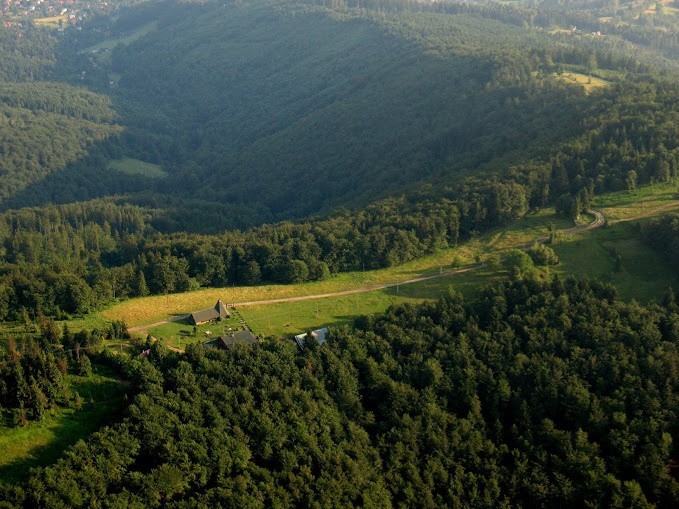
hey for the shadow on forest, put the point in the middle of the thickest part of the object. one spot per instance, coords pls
(378, 152)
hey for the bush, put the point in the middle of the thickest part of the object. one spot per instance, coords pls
(543, 255)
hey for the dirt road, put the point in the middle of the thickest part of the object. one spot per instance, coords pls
(650, 213)
(598, 222)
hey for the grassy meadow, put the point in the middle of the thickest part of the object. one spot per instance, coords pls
(131, 166)
(287, 318)
(647, 200)
(588, 82)
(644, 274)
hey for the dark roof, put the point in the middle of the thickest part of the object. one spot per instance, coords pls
(244, 336)
(205, 315)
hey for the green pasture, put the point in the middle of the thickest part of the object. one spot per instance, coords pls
(289, 318)
(645, 200)
(644, 275)
(132, 166)
(524, 231)
(41, 443)
(179, 334)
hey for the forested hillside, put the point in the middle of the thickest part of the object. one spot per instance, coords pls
(45, 127)
(546, 392)
(270, 111)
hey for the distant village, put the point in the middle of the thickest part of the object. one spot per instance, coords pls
(72, 12)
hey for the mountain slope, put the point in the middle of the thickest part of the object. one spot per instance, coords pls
(304, 110)
(45, 127)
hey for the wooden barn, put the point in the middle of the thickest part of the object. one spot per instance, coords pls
(219, 312)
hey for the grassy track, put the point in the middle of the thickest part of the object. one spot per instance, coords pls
(41, 443)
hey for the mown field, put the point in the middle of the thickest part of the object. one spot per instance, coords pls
(51, 22)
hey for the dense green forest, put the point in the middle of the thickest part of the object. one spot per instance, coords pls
(546, 392)
(297, 140)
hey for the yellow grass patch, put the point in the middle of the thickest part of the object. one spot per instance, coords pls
(125, 39)
(588, 82)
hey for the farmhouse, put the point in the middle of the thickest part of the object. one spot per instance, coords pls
(218, 312)
(229, 340)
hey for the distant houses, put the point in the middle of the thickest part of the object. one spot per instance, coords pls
(219, 312)
(228, 341)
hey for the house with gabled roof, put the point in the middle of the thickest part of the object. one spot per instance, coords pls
(228, 341)
(219, 312)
